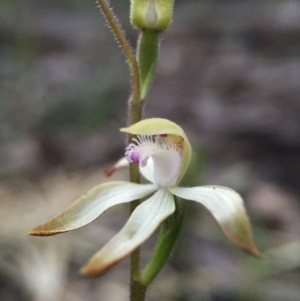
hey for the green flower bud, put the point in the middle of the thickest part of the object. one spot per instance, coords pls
(151, 14)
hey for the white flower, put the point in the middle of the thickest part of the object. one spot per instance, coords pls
(163, 153)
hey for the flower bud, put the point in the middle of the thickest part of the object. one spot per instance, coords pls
(151, 14)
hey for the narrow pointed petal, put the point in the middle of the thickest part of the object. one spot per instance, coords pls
(146, 171)
(160, 126)
(91, 205)
(141, 224)
(123, 162)
(227, 208)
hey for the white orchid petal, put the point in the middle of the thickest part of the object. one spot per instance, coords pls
(227, 208)
(141, 224)
(162, 127)
(148, 171)
(91, 205)
(165, 155)
(166, 166)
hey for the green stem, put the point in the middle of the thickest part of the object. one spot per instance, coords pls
(142, 72)
(137, 291)
(129, 53)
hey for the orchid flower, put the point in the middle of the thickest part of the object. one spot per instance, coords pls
(163, 152)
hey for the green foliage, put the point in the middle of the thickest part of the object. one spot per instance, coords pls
(148, 53)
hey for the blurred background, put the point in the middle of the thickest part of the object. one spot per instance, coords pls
(228, 72)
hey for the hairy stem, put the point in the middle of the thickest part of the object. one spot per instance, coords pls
(137, 290)
(129, 53)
